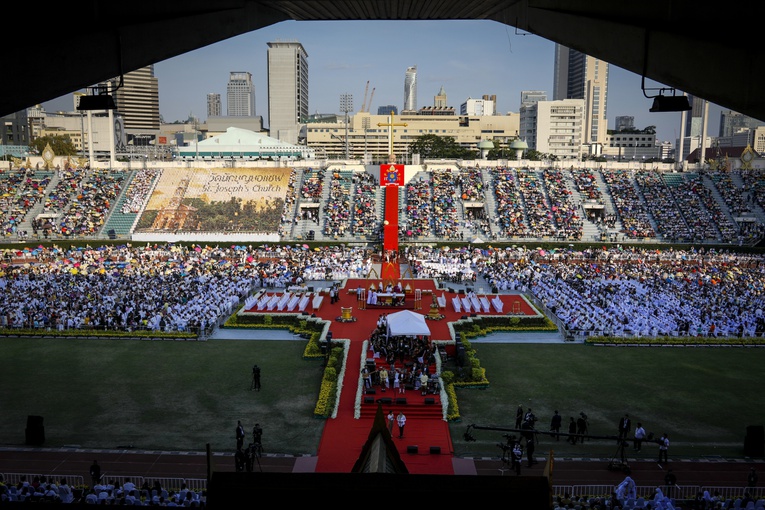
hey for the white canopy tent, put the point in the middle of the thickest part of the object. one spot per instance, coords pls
(407, 323)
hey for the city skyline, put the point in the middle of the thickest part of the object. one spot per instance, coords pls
(467, 58)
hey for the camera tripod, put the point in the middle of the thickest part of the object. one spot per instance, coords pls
(255, 452)
(621, 464)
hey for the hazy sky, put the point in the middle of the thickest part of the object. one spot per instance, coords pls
(468, 58)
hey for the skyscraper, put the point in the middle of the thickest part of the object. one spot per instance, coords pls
(579, 76)
(240, 95)
(439, 101)
(287, 90)
(214, 107)
(410, 89)
(138, 101)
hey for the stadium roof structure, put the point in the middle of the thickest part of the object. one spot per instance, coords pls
(238, 143)
(645, 41)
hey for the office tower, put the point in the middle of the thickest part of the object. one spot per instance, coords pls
(287, 90)
(579, 76)
(694, 118)
(624, 122)
(477, 107)
(554, 127)
(213, 105)
(732, 122)
(410, 89)
(240, 95)
(493, 99)
(387, 110)
(532, 97)
(439, 101)
(138, 100)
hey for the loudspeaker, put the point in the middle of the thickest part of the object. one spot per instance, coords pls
(754, 442)
(474, 315)
(411, 449)
(369, 400)
(462, 292)
(435, 449)
(35, 432)
(430, 400)
(401, 401)
(464, 317)
(385, 400)
(371, 391)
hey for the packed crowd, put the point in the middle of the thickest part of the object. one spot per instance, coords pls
(48, 490)
(614, 291)
(639, 292)
(443, 203)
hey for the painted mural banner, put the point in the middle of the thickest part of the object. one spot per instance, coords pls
(217, 199)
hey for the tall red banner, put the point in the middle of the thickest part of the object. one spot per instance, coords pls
(390, 230)
(391, 174)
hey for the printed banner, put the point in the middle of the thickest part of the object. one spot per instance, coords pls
(216, 200)
(391, 174)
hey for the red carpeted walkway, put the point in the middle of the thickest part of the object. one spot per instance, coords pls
(426, 447)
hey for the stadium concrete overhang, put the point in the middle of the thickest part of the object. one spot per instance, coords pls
(704, 49)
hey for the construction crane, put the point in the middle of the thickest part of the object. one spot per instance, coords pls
(364, 104)
(369, 105)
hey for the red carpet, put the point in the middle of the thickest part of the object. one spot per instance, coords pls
(344, 436)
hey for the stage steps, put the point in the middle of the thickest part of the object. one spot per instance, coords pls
(410, 409)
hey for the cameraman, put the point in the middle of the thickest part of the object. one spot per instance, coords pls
(257, 434)
(517, 456)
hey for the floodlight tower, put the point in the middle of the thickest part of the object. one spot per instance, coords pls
(346, 105)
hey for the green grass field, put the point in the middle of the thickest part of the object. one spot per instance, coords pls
(179, 395)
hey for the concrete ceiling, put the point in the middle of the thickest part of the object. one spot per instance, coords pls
(708, 50)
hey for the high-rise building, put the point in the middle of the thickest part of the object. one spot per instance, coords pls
(580, 76)
(240, 95)
(477, 107)
(410, 89)
(287, 90)
(213, 105)
(532, 97)
(731, 122)
(493, 99)
(624, 122)
(439, 101)
(554, 127)
(138, 101)
(387, 110)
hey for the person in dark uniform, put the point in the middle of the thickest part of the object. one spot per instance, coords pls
(555, 424)
(240, 460)
(255, 378)
(571, 431)
(530, 451)
(519, 416)
(95, 473)
(239, 435)
(581, 426)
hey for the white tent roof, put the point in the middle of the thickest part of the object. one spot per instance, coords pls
(406, 322)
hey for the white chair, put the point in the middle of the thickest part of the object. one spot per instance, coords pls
(456, 304)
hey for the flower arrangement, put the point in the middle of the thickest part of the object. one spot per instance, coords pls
(449, 395)
(332, 381)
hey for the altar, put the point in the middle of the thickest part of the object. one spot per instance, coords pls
(389, 298)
